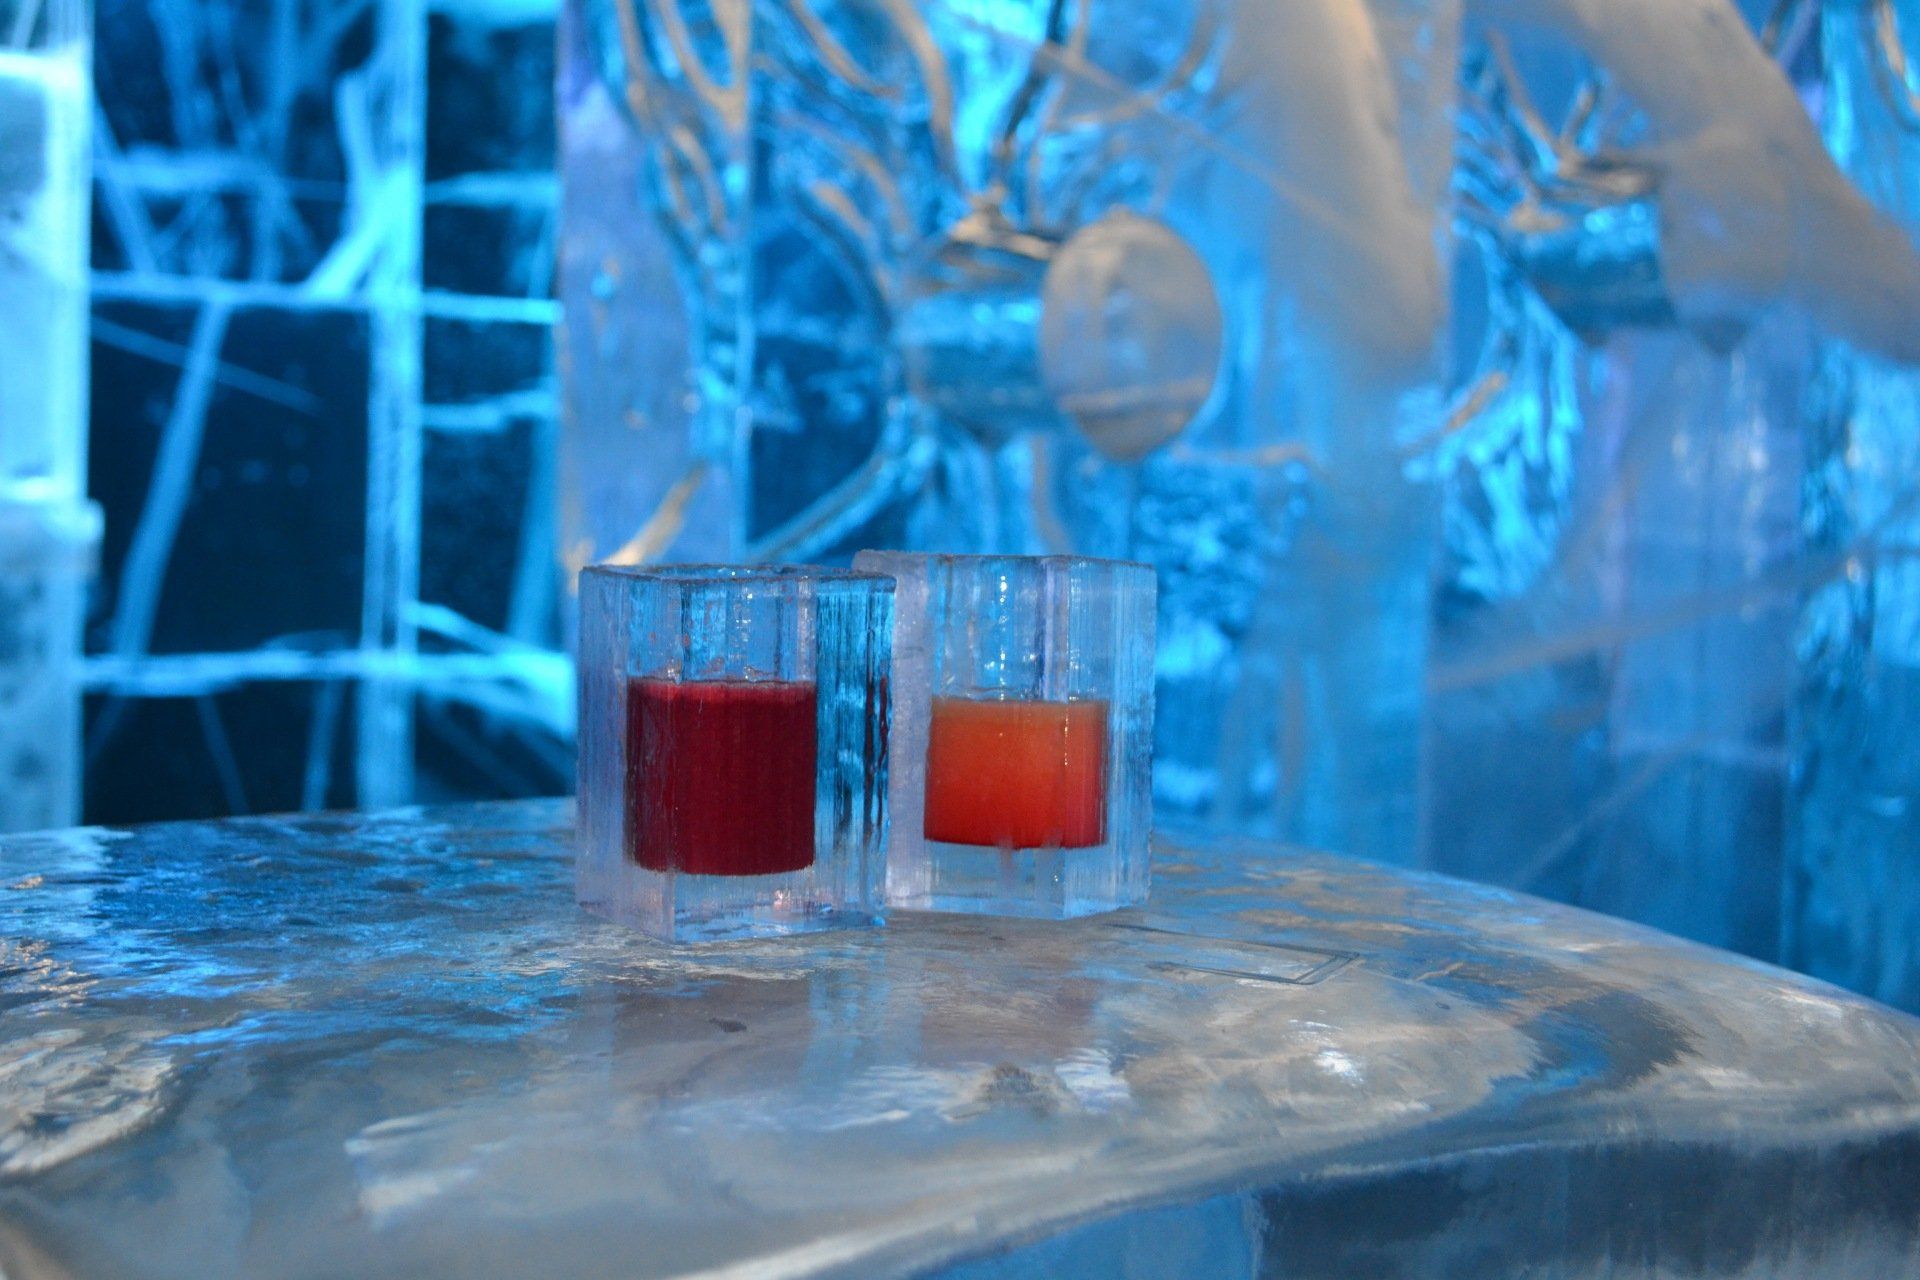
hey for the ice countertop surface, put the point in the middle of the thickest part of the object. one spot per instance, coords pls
(391, 1045)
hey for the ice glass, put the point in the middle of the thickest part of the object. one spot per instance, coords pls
(1023, 732)
(733, 748)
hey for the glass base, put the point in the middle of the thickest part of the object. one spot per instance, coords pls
(676, 907)
(1042, 884)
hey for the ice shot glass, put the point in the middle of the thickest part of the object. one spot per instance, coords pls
(1023, 733)
(733, 748)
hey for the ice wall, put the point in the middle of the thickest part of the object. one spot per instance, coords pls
(1854, 856)
(825, 324)
(323, 418)
(1755, 212)
(857, 223)
(1644, 502)
(1648, 472)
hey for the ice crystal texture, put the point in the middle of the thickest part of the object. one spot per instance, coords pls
(392, 1045)
(323, 423)
(1854, 861)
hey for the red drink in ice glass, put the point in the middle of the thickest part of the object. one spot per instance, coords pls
(721, 776)
(1017, 774)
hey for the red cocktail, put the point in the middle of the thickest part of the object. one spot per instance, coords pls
(721, 776)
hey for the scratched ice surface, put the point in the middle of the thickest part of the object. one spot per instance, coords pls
(391, 1046)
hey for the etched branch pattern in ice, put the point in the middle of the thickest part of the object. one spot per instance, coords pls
(321, 362)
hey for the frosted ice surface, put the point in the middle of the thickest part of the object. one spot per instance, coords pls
(391, 1046)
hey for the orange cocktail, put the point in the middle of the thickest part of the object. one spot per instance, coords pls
(1017, 774)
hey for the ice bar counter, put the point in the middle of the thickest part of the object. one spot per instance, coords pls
(394, 1046)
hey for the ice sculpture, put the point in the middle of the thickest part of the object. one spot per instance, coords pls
(391, 1045)
(1626, 531)
(47, 530)
(1854, 864)
(1754, 210)
(875, 273)
(322, 337)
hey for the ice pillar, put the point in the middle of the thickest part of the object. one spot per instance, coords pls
(48, 531)
(1663, 467)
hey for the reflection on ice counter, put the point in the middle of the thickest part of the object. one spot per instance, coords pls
(391, 1045)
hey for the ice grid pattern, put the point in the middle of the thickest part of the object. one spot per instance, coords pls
(322, 408)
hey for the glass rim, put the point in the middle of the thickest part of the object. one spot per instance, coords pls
(724, 574)
(1050, 561)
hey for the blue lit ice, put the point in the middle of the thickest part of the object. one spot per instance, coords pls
(392, 1046)
(817, 332)
(292, 299)
(880, 309)
(1629, 712)
(1632, 704)
(1853, 861)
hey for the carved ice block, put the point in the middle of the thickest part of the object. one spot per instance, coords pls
(733, 748)
(1023, 713)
